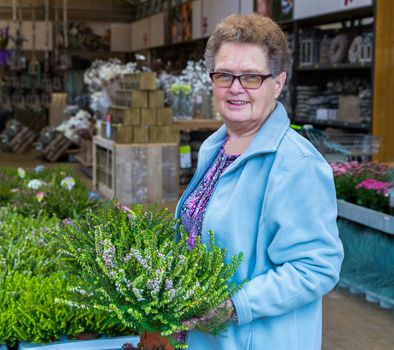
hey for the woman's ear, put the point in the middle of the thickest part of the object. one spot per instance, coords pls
(279, 82)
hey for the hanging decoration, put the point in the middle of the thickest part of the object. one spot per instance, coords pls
(34, 64)
(46, 43)
(5, 55)
(18, 61)
(65, 60)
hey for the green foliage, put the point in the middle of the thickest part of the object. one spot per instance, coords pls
(30, 285)
(30, 311)
(369, 258)
(56, 198)
(136, 269)
(26, 245)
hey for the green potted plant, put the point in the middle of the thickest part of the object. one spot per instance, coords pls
(136, 265)
(32, 279)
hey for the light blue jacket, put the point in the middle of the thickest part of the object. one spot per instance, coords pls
(275, 203)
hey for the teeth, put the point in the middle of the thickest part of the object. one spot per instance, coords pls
(238, 102)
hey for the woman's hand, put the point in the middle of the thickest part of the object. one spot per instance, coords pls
(215, 320)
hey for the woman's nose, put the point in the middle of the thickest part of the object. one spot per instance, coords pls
(236, 85)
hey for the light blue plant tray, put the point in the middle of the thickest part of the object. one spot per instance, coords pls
(370, 296)
(103, 343)
(3, 347)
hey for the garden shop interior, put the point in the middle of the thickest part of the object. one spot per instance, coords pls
(111, 99)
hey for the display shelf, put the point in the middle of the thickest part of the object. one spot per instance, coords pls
(335, 66)
(333, 123)
(197, 124)
(341, 16)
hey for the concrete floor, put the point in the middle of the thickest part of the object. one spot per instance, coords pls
(349, 322)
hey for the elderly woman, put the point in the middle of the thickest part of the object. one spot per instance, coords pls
(266, 192)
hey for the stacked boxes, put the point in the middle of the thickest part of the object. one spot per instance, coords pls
(139, 115)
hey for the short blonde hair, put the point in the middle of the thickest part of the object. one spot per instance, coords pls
(250, 29)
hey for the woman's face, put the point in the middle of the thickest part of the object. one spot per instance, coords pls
(245, 108)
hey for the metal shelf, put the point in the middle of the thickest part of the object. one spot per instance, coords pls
(335, 66)
(333, 123)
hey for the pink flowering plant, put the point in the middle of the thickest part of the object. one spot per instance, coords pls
(365, 184)
(52, 192)
(136, 265)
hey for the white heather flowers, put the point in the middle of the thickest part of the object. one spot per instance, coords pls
(34, 184)
(68, 182)
(21, 173)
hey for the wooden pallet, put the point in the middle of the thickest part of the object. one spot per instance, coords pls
(22, 140)
(56, 148)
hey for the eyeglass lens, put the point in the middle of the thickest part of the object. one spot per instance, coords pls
(247, 81)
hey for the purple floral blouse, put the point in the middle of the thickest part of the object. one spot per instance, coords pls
(193, 209)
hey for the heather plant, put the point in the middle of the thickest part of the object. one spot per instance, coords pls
(366, 184)
(137, 266)
(32, 278)
(41, 191)
(26, 245)
(29, 311)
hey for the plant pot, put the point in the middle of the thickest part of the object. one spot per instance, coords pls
(154, 341)
(87, 336)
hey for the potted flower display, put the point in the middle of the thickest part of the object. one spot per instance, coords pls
(366, 225)
(363, 194)
(136, 265)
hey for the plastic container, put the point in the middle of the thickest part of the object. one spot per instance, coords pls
(103, 343)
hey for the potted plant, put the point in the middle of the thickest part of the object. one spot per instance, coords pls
(136, 265)
(32, 278)
(366, 223)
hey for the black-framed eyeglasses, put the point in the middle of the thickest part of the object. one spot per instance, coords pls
(250, 81)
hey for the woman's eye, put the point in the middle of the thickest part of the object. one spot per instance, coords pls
(223, 76)
(251, 77)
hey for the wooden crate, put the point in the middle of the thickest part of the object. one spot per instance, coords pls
(22, 140)
(136, 173)
(56, 148)
(140, 81)
(85, 157)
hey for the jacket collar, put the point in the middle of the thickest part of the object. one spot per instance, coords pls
(266, 140)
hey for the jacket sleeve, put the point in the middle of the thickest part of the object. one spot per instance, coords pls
(305, 251)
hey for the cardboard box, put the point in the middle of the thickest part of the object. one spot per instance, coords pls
(132, 116)
(132, 98)
(148, 116)
(117, 114)
(164, 116)
(349, 108)
(141, 134)
(156, 99)
(162, 134)
(140, 81)
(147, 81)
(121, 133)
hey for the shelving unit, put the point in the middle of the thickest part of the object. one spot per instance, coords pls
(309, 80)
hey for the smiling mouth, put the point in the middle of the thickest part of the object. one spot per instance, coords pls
(237, 103)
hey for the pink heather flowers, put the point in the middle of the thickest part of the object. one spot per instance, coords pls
(40, 196)
(377, 186)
